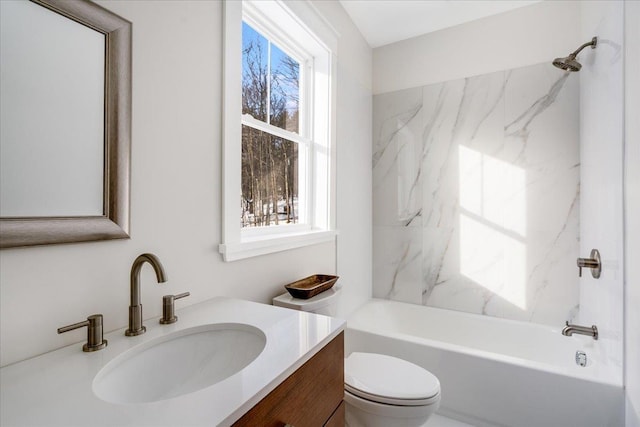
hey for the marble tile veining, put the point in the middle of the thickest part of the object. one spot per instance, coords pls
(476, 194)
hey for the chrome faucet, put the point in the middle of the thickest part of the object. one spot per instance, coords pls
(135, 308)
(569, 330)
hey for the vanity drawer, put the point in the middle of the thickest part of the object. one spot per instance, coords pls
(309, 397)
(337, 419)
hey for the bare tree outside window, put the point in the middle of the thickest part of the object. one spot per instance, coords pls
(285, 80)
(269, 162)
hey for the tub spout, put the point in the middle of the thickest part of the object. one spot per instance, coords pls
(569, 330)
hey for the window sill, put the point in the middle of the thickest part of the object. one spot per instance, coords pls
(273, 243)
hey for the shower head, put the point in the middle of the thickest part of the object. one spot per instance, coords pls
(570, 63)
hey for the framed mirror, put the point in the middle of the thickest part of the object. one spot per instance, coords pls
(65, 123)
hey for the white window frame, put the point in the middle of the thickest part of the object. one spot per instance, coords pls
(303, 33)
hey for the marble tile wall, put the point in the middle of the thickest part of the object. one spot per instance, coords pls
(602, 94)
(476, 194)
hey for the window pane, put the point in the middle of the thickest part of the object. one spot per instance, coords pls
(269, 179)
(255, 70)
(285, 90)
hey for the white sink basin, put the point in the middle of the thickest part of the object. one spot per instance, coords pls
(179, 363)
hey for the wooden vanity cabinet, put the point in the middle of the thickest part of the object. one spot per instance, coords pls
(310, 397)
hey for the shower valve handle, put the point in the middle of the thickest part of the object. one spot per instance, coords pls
(594, 263)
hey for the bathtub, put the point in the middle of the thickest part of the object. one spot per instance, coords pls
(494, 372)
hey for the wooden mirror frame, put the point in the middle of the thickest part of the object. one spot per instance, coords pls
(114, 222)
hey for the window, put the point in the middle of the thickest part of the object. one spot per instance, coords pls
(278, 153)
(274, 145)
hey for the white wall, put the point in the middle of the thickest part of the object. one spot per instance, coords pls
(632, 212)
(176, 192)
(525, 36)
(354, 193)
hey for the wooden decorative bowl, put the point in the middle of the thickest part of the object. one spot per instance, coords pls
(311, 286)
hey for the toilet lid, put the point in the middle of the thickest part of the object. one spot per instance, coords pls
(386, 379)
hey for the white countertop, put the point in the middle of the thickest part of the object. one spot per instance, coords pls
(55, 389)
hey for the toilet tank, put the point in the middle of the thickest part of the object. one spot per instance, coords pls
(324, 303)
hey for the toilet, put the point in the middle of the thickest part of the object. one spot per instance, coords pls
(379, 390)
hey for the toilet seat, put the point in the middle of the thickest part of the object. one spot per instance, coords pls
(389, 380)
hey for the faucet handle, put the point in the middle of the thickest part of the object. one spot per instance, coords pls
(168, 308)
(95, 339)
(594, 263)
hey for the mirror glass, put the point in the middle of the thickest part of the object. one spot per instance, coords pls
(52, 114)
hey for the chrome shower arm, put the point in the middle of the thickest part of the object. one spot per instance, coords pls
(592, 43)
